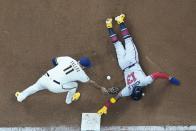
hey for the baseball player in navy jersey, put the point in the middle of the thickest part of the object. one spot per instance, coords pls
(128, 61)
(61, 78)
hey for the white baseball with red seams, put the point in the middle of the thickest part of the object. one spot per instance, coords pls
(129, 62)
(59, 79)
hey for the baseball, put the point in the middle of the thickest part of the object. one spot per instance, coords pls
(108, 77)
(143, 94)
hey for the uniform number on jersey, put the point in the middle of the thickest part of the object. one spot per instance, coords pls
(68, 70)
(131, 78)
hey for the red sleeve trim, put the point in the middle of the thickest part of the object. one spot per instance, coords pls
(161, 75)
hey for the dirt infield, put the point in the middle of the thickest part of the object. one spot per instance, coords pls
(33, 32)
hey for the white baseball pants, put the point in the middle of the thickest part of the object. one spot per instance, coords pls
(46, 83)
(126, 56)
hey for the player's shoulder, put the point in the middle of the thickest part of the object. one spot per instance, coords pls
(66, 58)
(70, 58)
(146, 80)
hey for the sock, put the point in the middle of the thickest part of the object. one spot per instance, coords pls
(124, 31)
(112, 35)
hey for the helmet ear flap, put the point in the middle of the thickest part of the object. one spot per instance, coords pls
(137, 93)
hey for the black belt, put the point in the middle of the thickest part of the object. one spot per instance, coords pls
(129, 67)
(53, 80)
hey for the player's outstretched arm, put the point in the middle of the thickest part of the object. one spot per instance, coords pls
(111, 91)
(103, 89)
(108, 104)
(161, 75)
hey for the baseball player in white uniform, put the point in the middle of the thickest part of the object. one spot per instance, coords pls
(61, 78)
(128, 60)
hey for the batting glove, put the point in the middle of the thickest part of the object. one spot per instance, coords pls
(174, 81)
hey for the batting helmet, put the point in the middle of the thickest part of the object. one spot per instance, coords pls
(85, 61)
(137, 93)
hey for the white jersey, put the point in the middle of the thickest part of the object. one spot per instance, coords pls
(135, 76)
(67, 70)
(59, 79)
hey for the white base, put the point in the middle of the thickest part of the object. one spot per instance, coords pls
(90, 121)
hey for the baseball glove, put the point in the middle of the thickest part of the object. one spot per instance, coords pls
(113, 90)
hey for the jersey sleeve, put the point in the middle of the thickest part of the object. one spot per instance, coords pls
(57, 60)
(160, 75)
(147, 80)
(60, 59)
(84, 78)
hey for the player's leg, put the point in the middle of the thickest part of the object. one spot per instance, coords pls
(72, 95)
(56, 88)
(131, 50)
(29, 91)
(70, 87)
(120, 50)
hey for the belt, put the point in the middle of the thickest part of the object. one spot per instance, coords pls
(129, 67)
(53, 80)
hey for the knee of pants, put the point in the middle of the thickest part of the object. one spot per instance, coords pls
(70, 85)
(75, 84)
(68, 101)
(57, 90)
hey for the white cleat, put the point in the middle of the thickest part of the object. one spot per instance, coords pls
(17, 93)
(19, 97)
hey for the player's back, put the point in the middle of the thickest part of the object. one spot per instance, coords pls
(135, 76)
(67, 70)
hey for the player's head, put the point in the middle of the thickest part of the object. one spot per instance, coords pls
(137, 93)
(85, 62)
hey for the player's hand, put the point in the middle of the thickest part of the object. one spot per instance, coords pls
(104, 90)
(174, 81)
(91, 81)
(102, 111)
(113, 90)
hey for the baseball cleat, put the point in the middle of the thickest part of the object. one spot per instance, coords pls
(108, 22)
(17, 93)
(76, 96)
(102, 111)
(120, 19)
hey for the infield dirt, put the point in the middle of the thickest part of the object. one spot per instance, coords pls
(33, 32)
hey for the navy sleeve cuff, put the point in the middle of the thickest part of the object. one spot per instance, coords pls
(54, 62)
